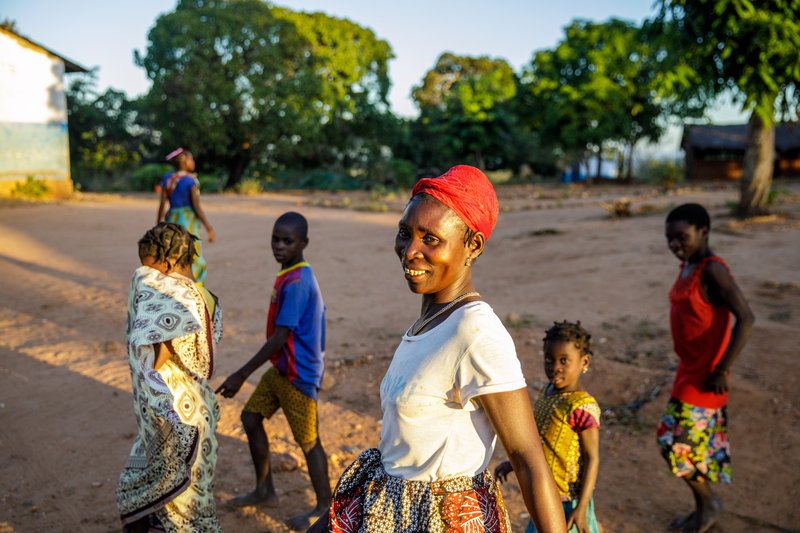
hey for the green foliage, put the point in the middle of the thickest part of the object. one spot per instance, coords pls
(249, 187)
(32, 188)
(393, 173)
(102, 140)
(146, 177)
(325, 180)
(752, 47)
(775, 195)
(209, 182)
(747, 48)
(242, 82)
(600, 86)
(465, 114)
(664, 173)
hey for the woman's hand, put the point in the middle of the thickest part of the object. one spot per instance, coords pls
(212, 235)
(502, 471)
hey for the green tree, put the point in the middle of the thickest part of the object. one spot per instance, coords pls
(239, 81)
(601, 86)
(750, 49)
(465, 112)
(352, 66)
(104, 140)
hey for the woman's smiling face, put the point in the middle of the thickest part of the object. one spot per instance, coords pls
(430, 245)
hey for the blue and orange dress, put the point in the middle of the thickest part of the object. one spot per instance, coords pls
(178, 186)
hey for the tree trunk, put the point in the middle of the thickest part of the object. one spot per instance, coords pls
(236, 170)
(759, 161)
(629, 171)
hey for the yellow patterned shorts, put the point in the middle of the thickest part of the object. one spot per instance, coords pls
(274, 392)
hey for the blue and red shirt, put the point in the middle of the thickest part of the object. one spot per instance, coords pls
(297, 304)
(179, 188)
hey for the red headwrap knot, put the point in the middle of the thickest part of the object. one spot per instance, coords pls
(467, 191)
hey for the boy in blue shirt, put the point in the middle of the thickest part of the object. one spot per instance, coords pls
(296, 347)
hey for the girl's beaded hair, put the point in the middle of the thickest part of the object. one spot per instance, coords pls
(570, 332)
(170, 242)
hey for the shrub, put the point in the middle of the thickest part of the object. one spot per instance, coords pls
(32, 188)
(249, 187)
(210, 182)
(662, 172)
(147, 177)
(328, 181)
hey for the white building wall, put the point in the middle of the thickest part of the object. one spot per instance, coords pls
(34, 139)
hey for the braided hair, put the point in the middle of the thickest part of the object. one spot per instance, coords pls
(168, 242)
(570, 332)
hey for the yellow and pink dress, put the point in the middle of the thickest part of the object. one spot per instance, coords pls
(560, 418)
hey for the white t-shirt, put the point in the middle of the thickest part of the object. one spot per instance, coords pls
(431, 430)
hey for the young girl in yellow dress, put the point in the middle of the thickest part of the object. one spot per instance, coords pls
(568, 419)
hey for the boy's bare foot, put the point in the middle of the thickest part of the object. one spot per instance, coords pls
(303, 521)
(254, 498)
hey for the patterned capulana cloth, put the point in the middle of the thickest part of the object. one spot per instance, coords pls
(367, 499)
(694, 441)
(170, 470)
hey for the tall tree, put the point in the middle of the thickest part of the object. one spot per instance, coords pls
(747, 47)
(600, 85)
(240, 81)
(464, 109)
(104, 138)
(352, 66)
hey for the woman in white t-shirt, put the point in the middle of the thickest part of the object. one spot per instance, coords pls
(453, 386)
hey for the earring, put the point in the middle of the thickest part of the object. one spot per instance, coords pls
(468, 262)
(585, 370)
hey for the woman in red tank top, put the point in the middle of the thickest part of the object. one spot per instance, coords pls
(693, 433)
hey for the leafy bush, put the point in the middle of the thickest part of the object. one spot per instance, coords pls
(662, 172)
(210, 183)
(30, 188)
(327, 180)
(393, 173)
(249, 187)
(146, 177)
(775, 195)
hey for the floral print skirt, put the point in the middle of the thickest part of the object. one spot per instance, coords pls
(694, 442)
(367, 499)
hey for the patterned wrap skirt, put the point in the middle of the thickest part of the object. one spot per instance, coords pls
(367, 499)
(694, 442)
(186, 217)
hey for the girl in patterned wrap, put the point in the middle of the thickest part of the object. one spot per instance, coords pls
(452, 388)
(173, 326)
(568, 418)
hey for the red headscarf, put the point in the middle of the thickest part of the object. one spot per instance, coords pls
(467, 191)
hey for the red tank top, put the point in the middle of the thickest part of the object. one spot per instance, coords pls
(700, 334)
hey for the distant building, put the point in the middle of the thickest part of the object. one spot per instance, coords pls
(717, 152)
(34, 141)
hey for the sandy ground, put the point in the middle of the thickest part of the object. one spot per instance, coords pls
(66, 421)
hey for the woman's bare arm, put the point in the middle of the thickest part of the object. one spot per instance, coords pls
(512, 418)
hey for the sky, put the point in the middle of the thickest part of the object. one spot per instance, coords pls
(105, 33)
